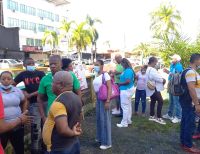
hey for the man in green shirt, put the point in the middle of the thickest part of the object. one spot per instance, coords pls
(45, 88)
(118, 71)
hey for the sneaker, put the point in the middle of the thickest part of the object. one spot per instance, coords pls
(160, 121)
(166, 116)
(176, 120)
(196, 136)
(116, 112)
(122, 126)
(130, 123)
(105, 147)
(152, 118)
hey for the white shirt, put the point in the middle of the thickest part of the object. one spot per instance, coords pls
(97, 82)
(141, 82)
(153, 75)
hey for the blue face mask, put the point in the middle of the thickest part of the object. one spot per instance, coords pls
(6, 87)
(30, 68)
(97, 69)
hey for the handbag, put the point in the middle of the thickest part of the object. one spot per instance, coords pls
(150, 84)
(103, 90)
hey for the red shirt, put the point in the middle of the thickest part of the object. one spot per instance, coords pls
(1, 117)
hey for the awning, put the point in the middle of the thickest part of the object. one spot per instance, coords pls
(59, 2)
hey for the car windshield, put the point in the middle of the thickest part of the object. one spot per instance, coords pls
(12, 61)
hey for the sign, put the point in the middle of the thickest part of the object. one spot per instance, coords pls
(27, 48)
(79, 71)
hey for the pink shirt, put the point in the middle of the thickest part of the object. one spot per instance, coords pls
(141, 82)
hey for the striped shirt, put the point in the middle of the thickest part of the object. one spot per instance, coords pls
(193, 76)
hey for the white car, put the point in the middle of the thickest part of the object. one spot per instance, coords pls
(9, 63)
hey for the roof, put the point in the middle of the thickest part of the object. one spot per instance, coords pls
(59, 2)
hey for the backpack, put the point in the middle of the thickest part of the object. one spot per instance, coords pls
(175, 87)
(177, 84)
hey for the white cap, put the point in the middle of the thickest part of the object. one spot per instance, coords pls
(177, 57)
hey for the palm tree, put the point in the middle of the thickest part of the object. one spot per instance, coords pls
(95, 35)
(81, 38)
(165, 21)
(66, 28)
(51, 38)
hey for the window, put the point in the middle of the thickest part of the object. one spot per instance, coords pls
(31, 11)
(24, 24)
(38, 42)
(56, 17)
(32, 26)
(12, 22)
(30, 42)
(23, 8)
(41, 28)
(12, 5)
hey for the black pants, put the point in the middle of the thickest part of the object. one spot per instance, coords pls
(156, 97)
(16, 138)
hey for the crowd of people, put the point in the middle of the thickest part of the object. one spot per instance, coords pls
(52, 103)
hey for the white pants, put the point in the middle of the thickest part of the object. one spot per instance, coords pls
(126, 105)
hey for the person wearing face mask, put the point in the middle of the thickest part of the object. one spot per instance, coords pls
(175, 67)
(103, 116)
(31, 79)
(14, 104)
(140, 90)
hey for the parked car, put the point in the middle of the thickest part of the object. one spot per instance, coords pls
(10, 63)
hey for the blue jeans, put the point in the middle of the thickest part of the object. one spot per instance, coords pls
(75, 149)
(103, 122)
(174, 103)
(187, 124)
(140, 95)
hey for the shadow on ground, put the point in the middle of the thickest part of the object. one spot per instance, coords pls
(143, 137)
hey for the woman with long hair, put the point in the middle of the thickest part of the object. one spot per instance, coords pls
(126, 92)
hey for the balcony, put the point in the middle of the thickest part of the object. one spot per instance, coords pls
(59, 2)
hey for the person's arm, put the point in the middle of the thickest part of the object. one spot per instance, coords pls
(28, 96)
(156, 76)
(192, 91)
(22, 119)
(59, 112)
(24, 105)
(40, 101)
(107, 103)
(63, 129)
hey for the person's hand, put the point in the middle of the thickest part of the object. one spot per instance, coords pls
(107, 104)
(27, 95)
(77, 129)
(197, 108)
(25, 119)
(165, 70)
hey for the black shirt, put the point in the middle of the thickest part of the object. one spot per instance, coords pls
(31, 81)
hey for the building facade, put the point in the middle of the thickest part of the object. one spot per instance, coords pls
(33, 17)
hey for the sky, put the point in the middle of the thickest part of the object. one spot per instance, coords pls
(125, 23)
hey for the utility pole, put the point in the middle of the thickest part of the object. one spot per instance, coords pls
(1, 12)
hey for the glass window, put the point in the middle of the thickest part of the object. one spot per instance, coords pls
(32, 26)
(31, 11)
(23, 8)
(12, 22)
(29, 41)
(38, 42)
(41, 28)
(12, 5)
(24, 24)
(56, 17)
